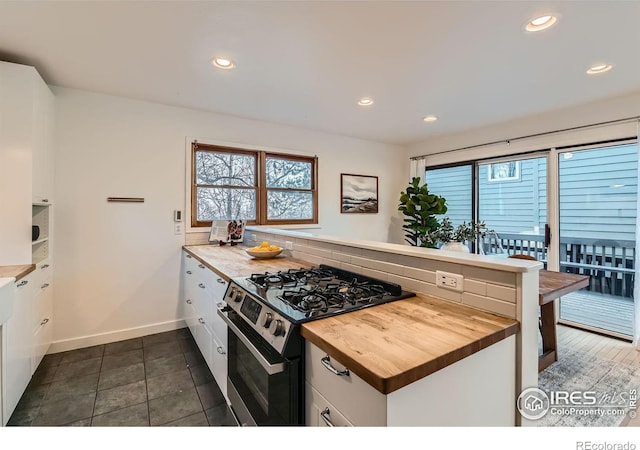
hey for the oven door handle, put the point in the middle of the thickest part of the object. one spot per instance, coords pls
(271, 369)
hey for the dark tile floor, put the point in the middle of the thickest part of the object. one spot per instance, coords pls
(160, 379)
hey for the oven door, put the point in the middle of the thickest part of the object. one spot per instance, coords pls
(263, 387)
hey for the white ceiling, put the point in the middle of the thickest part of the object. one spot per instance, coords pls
(307, 63)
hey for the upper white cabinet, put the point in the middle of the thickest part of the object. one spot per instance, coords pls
(44, 115)
(26, 158)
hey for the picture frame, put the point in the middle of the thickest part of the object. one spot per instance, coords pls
(358, 193)
(504, 171)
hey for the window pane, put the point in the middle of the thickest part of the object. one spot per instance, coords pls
(454, 184)
(513, 198)
(225, 168)
(289, 205)
(286, 173)
(226, 204)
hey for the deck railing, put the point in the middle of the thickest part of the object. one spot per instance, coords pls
(609, 263)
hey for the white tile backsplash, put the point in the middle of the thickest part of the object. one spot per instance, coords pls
(486, 289)
(501, 292)
(489, 304)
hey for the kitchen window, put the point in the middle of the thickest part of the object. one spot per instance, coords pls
(257, 186)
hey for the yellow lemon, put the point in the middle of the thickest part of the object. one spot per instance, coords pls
(264, 245)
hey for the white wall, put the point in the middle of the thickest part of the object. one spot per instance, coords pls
(117, 264)
(611, 109)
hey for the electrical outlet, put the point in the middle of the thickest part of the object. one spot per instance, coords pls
(177, 228)
(288, 245)
(452, 281)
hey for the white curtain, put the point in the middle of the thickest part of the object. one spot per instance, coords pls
(417, 168)
(636, 286)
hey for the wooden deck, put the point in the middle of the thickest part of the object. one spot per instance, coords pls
(600, 311)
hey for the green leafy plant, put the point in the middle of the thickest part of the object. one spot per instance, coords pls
(463, 232)
(420, 208)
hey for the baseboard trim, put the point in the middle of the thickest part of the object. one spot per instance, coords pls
(114, 336)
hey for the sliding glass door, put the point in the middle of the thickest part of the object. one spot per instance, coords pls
(512, 201)
(598, 190)
(575, 210)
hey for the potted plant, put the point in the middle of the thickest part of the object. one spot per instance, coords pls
(455, 238)
(420, 208)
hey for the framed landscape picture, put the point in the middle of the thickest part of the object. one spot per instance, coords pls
(358, 193)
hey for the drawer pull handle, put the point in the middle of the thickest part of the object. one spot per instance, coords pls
(44, 321)
(189, 272)
(201, 286)
(220, 305)
(189, 301)
(44, 266)
(22, 283)
(188, 256)
(326, 362)
(201, 266)
(221, 351)
(325, 417)
(220, 280)
(44, 286)
(201, 320)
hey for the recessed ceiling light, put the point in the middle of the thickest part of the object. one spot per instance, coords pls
(599, 68)
(430, 118)
(541, 23)
(223, 63)
(365, 101)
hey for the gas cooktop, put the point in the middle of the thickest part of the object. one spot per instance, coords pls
(306, 294)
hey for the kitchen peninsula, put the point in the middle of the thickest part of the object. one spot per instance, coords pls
(440, 358)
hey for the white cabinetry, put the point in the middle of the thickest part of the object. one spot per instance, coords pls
(26, 157)
(42, 312)
(26, 190)
(334, 395)
(42, 166)
(478, 390)
(202, 292)
(17, 350)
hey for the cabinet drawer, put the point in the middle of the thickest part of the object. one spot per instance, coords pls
(43, 272)
(360, 403)
(220, 364)
(320, 412)
(42, 304)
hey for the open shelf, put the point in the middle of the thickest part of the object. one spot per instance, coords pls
(40, 216)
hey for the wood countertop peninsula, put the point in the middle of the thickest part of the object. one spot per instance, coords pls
(390, 345)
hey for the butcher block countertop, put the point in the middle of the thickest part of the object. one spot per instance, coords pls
(390, 345)
(232, 261)
(394, 344)
(16, 272)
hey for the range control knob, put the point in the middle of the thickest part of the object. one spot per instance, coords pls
(276, 327)
(238, 297)
(266, 320)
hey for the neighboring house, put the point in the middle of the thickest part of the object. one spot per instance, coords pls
(598, 194)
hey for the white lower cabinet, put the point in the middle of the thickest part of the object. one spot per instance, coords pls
(350, 400)
(220, 364)
(321, 413)
(478, 390)
(202, 292)
(17, 348)
(42, 313)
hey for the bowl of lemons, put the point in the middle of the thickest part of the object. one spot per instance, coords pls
(264, 250)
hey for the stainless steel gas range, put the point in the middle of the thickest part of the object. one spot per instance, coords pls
(265, 355)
